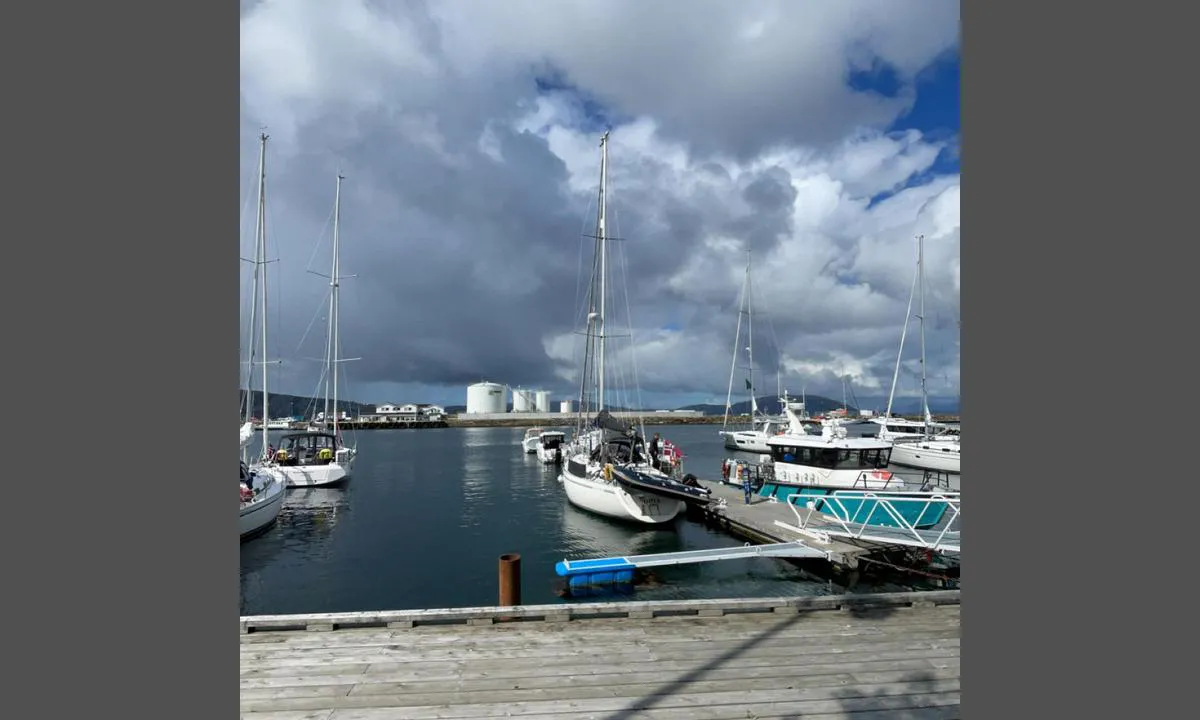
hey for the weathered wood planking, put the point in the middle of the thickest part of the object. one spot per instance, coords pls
(820, 663)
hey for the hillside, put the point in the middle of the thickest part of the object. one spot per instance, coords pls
(816, 404)
(282, 405)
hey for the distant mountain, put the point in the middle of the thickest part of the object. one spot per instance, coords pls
(282, 406)
(938, 404)
(815, 404)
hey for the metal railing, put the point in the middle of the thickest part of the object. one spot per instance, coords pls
(880, 503)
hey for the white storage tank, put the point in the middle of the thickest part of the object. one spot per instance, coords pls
(522, 400)
(543, 401)
(565, 408)
(485, 398)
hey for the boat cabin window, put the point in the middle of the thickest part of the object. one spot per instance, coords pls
(309, 442)
(832, 458)
(307, 449)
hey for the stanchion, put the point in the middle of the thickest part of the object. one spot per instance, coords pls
(510, 580)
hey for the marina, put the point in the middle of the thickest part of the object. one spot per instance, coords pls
(877, 656)
(580, 538)
(471, 492)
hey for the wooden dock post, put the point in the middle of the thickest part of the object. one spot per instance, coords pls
(510, 579)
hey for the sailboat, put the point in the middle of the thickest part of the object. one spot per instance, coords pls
(754, 438)
(261, 491)
(762, 426)
(608, 470)
(318, 456)
(930, 448)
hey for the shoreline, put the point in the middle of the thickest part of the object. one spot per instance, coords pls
(553, 420)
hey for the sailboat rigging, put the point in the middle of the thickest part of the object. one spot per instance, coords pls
(317, 457)
(608, 470)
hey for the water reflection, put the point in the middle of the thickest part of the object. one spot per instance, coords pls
(427, 512)
(314, 510)
(585, 534)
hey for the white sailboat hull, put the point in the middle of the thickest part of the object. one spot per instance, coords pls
(754, 441)
(259, 513)
(938, 455)
(595, 494)
(317, 475)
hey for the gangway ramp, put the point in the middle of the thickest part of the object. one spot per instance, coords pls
(849, 514)
(619, 569)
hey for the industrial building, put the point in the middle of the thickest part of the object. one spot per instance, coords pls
(487, 401)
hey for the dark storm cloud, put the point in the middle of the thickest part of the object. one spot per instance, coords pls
(462, 266)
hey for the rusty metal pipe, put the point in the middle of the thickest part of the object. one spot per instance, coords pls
(510, 579)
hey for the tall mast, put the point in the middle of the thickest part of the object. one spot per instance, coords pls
(602, 235)
(262, 257)
(737, 342)
(921, 276)
(903, 334)
(750, 340)
(333, 300)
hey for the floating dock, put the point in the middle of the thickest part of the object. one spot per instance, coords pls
(757, 522)
(844, 542)
(824, 657)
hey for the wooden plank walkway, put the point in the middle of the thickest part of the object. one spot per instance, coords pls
(863, 657)
(756, 522)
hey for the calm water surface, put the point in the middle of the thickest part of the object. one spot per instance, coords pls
(427, 513)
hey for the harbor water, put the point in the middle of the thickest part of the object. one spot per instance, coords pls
(428, 512)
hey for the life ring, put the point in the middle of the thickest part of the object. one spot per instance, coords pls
(881, 474)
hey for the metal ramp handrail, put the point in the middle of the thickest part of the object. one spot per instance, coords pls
(793, 548)
(852, 527)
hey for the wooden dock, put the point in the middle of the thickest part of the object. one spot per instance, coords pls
(756, 522)
(865, 657)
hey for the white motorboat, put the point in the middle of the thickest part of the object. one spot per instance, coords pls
(550, 446)
(529, 443)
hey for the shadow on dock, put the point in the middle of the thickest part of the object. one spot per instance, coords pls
(919, 702)
(679, 684)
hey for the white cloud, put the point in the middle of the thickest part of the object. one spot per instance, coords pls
(734, 129)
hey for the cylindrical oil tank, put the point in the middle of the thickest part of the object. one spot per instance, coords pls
(522, 400)
(565, 408)
(485, 398)
(543, 401)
